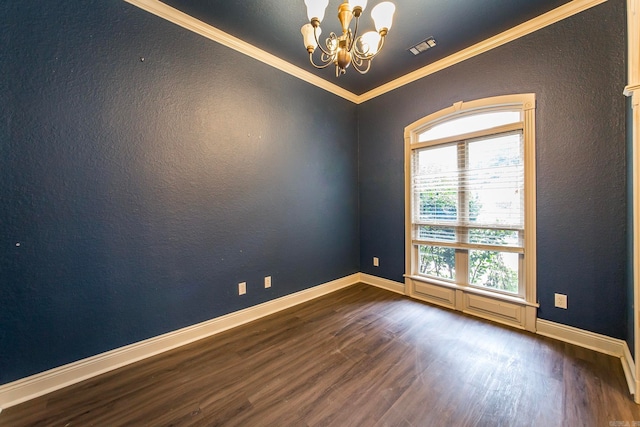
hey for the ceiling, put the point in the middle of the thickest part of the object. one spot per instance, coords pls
(274, 26)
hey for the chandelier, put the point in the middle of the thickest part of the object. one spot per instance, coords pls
(348, 48)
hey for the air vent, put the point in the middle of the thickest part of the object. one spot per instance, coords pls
(423, 46)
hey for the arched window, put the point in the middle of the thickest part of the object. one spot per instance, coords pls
(470, 217)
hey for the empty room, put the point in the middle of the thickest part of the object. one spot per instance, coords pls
(320, 213)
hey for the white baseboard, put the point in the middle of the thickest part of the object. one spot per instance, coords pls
(580, 337)
(46, 382)
(379, 282)
(593, 341)
(54, 379)
(629, 368)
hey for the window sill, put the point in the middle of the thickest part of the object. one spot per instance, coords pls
(472, 290)
(506, 309)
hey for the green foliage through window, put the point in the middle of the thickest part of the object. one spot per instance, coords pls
(495, 270)
(438, 261)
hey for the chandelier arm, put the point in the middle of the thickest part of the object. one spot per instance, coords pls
(315, 35)
(354, 37)
(320, 67)
(358, 53)
(359, 62)
(361, 55)
(349, 40)
(326, 58)
(380, 46)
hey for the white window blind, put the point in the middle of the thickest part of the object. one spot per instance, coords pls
(470, 193)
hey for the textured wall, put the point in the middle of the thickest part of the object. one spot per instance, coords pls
(145, 171)
(141, 191)
(576, 68)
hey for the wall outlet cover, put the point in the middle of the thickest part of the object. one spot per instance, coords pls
(561, 301)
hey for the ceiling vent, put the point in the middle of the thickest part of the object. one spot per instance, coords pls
(423, 46)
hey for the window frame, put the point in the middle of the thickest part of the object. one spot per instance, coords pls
(462, 246)
(459, 294)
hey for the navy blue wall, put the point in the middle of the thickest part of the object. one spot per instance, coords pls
(576, 68)
(145, 171)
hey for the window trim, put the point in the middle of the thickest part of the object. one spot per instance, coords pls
(521, 311)
(460, 148)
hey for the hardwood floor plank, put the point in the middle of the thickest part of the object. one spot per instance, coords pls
(360, 356)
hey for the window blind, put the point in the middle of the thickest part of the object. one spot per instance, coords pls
(470, 193)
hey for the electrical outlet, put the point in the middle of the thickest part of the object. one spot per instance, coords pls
(561, 301)
(267, 282)
(376, 261)
(242, 288)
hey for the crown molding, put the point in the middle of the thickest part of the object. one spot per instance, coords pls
(177, 17)
(565, 11)
(188, 22)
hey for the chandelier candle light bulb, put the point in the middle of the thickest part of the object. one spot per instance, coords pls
(315, 9)
(358, 7)
(348, 48)
(309, 38)
(370, 42)
(382, 16)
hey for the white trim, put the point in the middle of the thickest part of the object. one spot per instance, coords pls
(46, 382)
(635, 159)
(565, 11)
(629, 90)
(496, 307)
(508, 128)
(530, 222)
(633, 42)
(54, 379)
(633, 90)
(522, 101)
(629, 368)
(513, 299)
(493, 306)
(390, 285)
(592, 341)
(188, 22)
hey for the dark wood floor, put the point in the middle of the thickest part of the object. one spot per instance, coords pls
(358, 357)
